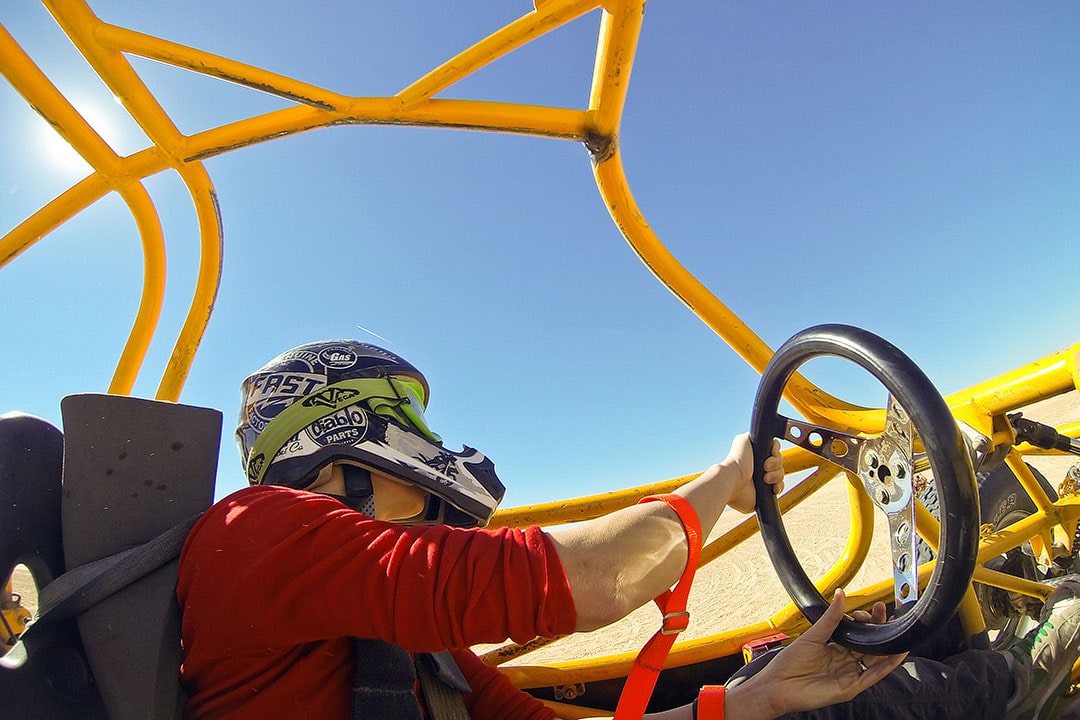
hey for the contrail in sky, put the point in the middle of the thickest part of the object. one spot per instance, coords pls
(369, 332)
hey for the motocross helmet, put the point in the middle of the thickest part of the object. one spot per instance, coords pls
(348, 400)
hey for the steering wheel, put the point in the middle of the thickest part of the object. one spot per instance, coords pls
(884, 464)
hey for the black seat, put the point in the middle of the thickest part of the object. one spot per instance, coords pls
(54, 679)
(125, 471)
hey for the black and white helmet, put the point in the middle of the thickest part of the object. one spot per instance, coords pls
(353, 401)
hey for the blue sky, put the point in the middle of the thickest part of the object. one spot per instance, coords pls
(913, 170)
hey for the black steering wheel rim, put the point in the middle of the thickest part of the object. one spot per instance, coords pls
(949, 462)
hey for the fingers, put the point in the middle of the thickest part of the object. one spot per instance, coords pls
(823, 629)
(775, 461)
(877, 667)
(774, 468)
(872, 668)
(876, 616)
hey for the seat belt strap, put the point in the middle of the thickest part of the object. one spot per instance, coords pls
(442, 686)
(79, 589)
(642, 677)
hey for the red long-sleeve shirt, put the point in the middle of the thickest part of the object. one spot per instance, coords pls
(274, 584)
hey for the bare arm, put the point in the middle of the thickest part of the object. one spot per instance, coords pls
(621, 561)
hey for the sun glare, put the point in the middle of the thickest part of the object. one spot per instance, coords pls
(62, 157)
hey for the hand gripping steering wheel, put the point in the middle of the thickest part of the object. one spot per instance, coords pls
(884, 464)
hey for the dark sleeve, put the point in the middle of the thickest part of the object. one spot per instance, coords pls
(271, 567)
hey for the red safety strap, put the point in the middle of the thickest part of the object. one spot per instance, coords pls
(672, 603)
(710, 703)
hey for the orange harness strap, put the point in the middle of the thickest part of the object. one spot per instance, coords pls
(672, 603)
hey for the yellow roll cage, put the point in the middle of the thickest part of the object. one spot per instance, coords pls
(106, 47)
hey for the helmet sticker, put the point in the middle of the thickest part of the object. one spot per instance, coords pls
(345, 427)
(270, 393)
(331, 397)
(338, 357)
(255, 466)
(300, 359)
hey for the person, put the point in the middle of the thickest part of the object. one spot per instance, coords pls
(361, 540)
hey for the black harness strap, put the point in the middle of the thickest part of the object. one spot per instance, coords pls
(385, 684)
(77, 590)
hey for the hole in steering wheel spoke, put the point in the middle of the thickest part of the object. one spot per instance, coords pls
(904, 592)
(838, 448)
